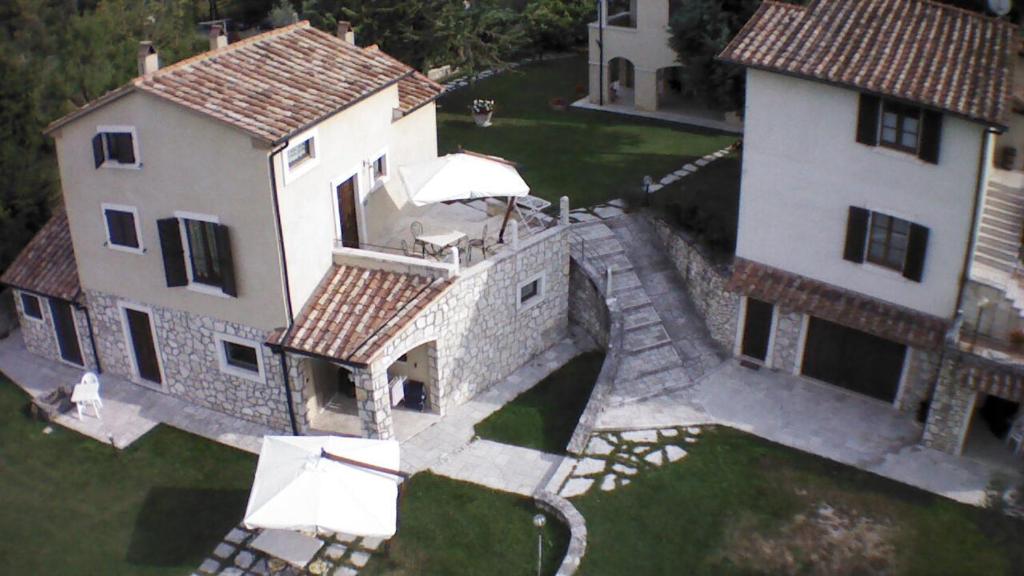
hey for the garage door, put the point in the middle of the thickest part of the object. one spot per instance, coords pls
(853, 359)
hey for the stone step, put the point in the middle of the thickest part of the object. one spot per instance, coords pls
(625, 281)
(592, 230)
(640, 317)
(617, 262)
(639, 364)
(998, 240)
(997, 212)
(634, 298)
(603, 247)
(1006, 194)
(1005, 226)
(997, 263)
(648, 386)
(646, 338)
(995, 252)
(1006, 205)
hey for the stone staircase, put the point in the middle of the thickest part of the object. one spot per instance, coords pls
(997, 253)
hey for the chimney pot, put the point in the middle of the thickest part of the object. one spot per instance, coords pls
(345, 32)
(149, 61)
(218, 39)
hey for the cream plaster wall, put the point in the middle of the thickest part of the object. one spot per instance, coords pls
(802, 169)
(646, 46)
(188, 163)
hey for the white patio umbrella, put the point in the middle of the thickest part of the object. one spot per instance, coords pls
(315, 483)
(461, 176)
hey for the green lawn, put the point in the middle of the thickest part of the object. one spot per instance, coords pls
(741, 505)
(70, 505)
(706, 204)
(545, 416)
(588, 156)
(450, 528)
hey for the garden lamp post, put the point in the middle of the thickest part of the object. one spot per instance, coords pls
(539, 521)
(647, 190)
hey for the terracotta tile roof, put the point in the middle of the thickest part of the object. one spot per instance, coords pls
(989, 377)
(47, 264)
(920, 51)
(414, 90)
(355, 311)
(274, 84)
(834, 304)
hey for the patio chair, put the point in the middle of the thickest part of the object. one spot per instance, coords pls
(87, 393)
(1015, 437)
(531, 211)
(416, 228)
(480, 243)
(405, 249)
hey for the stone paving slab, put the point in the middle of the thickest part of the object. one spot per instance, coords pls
(624, 281)
(639, 317)
(501, 467)
(634, 366)
(647, 337)
(633, 298)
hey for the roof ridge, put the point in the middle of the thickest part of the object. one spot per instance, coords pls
(203, 56)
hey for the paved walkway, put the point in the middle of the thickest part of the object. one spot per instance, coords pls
(129, 410)
(691, 118)
(501, 466)
(679, 381)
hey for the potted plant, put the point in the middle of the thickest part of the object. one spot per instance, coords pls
(558, 104)
(482, 111)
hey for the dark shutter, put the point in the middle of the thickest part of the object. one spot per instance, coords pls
(931, 135)
(97, 150)
(125, 148)
(856, 234)
(867, 119)
(227, 263)
(917, 246)
(174, 255)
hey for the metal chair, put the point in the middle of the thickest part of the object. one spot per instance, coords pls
(480, 243)
(405, 248)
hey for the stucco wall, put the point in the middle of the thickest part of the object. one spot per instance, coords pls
(189, 163)
(346, 144)
(189, 360)
(800, 177)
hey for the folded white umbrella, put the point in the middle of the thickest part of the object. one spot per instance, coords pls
(297, 487)
(461, 176)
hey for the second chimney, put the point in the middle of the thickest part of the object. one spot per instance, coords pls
(218, 39)
(346, 33)
(149, 61)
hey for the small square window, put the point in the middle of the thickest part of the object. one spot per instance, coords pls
(529, 291)
(241, 356)
(114, 147)
(121, 230)
(31, 306)
(301, 152)
(379, 168)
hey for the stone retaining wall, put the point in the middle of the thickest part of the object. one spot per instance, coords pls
(189, 358)
(587, 307)
(572, 518)
(705, 283)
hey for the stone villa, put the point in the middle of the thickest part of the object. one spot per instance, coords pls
(235, 233)
(879, 245)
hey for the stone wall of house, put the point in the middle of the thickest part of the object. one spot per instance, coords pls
(481, 333)
(922, 368)
(950, 411)
(190, 361)
(705, 282)
(786, 345)
(40, 338)
(587, 308)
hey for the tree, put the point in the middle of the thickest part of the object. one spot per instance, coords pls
(478, 36)
(700, 30)
(557, 24)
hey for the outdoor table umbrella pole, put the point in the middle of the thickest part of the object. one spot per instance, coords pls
(341, 459)
(504, 223)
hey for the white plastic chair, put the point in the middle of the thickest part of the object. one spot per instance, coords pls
(1016, 436)
(87, 393)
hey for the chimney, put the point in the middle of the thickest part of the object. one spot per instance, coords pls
(149, 61)
(218, 39)
(346, 33)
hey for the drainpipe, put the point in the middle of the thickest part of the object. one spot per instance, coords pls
(600, 51)
(92, 336)
(287, 289)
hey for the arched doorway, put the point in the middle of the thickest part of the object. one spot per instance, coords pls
(621, 81)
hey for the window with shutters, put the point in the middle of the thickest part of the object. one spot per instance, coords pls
(887, 241)
(197, 253)
(31, 307)
(900, 126)
(115, 147)
(240, 357)
(122, 224)
(204, 258)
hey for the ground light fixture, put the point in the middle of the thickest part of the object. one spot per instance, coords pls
(539, 521)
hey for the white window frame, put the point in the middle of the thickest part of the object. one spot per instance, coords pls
(138, 227)
(881, 270)
(378, 182)
(21, 306)
(103, 128)
(542, 289)
(123, 307)
(293, 174)
(354, 172)
(227, 368)
(187, 249)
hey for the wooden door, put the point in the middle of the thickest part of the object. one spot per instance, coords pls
(140, 331)
(67, 335)
(349, 223)
(757, 329)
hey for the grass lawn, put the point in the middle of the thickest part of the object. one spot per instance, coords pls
(70, 505)
(706, 203)
(452, 528)
(545, 416)
(588, 156)
(741, 505)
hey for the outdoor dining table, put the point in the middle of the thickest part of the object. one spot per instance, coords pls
(436, 244)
